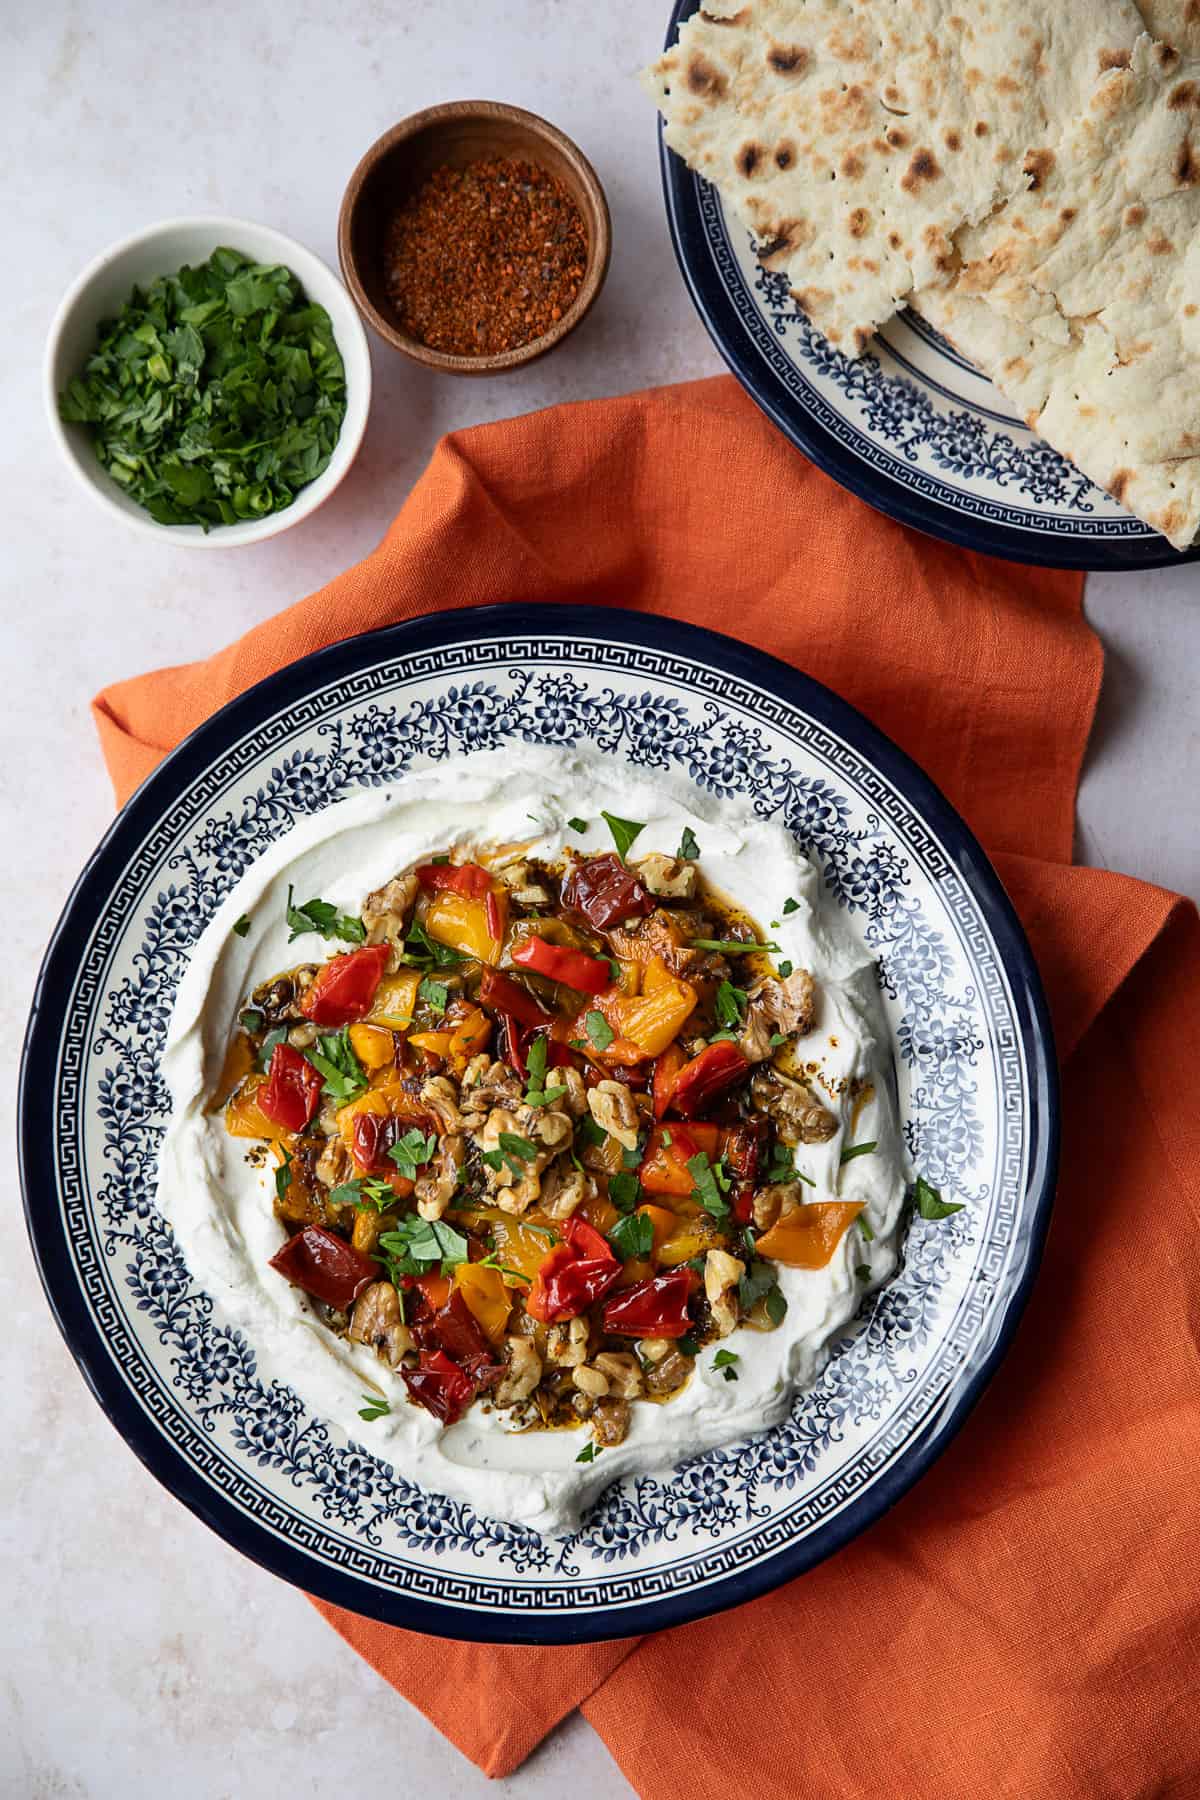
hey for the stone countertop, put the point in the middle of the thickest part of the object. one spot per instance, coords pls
(134, 1638)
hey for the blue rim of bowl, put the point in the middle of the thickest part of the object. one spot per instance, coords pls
(163, 788)
(720, 317)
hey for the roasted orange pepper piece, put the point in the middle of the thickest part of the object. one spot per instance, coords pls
(808, 1237)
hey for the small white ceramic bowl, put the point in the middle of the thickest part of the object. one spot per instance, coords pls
(104, 287)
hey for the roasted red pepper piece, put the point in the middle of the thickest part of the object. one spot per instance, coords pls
(511, 1045)
(325, 1266)
(455, 1329)
(743, 1151)
(655, 1308)
(344, 989)
(700, 1081)
(504, 996)
(493, 914)
(605, 891)
(291, 1093)
(574, 968)
(586, 1241)
(373, 1137)
(567, 1283)
(666, 1069)
(440, 1386)
(456, 878)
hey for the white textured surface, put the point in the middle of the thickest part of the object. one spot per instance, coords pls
(131, 1639)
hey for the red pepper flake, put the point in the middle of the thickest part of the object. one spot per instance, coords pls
(484, 259)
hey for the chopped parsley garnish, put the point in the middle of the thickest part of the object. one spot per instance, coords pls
(413, 1150)
(374, 1409)
(537, 1093)
(365, 1191)
(579, 825)
(542, 1230)
(588, 1453)
(863, 1272)
(513, 1152)
(776, 1038)
(283, 1175)
(730, 946)
(782, 1166)
(599, 1030)
(853, 1150)
(251, 1019)
(760, 1283)
(709, 1180)
(725, 1359)
(435, 994)
(632, 1159)
(514, 1145)
(333, 1055)
(632, 1236)
(267, 1047)
(242, 925)
(730, 1003)
(590, 1132)
(790, 906)
(324, 918)
(423, 952)
(624, 1190)
(417, 1244)
(930, 1204)
(689, 1344)
(490, 1262)
(624, 832)
(688, 849)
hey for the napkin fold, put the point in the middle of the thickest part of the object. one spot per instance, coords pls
(1026, 1622)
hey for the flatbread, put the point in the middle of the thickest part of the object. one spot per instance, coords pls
(1081, 298)
(1174, 22)
(855, 137)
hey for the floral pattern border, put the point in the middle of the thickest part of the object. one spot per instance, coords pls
(214, 1367)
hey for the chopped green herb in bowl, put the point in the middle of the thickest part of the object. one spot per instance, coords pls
(215, 386)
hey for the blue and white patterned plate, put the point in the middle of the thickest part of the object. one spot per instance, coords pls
(910, 427)
(199, 1401)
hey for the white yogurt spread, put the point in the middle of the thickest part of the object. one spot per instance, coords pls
(220, 1204)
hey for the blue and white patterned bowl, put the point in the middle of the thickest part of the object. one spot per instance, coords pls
(198, 1400)
(911, 427)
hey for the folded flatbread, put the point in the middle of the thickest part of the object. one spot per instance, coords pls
(855, 137)
(1081, 298)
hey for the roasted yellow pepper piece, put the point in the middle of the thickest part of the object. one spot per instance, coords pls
(655, 1017)
(469, 1037)
(808, 1237)
(461, 922)
(244, 1119)
(374, 1045)
(395, 999)
(484, 1291)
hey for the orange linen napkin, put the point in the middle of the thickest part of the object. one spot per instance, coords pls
(1025, 1622)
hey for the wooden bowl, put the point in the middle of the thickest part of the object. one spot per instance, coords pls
(459, 133)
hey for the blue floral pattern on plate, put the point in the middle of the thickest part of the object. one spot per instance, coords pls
(962, 1086)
